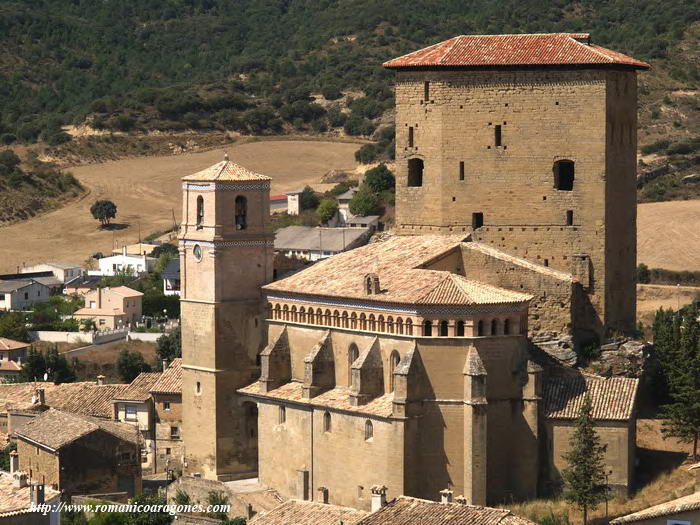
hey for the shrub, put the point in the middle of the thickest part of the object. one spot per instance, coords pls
(308, 200)
(367, 153)
(364, 202)
(326, 210)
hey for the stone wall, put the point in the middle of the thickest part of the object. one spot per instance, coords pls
(169, 449)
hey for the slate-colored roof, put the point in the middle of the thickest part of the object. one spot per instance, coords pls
(546, 49)
(669, 508)
(48, 281)
(17, 500)
(226, 171)
(405, 510)
(55, 429)
(140, 388)
(295, 512)
(336, 398)
(11, 344)
(14, 285)
(612, 398)
(399, 263)
(170, 381)
(172, 269)
(315, 238)
(84, 281)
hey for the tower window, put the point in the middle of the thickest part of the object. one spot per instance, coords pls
(480, 328)
(477, 220)
(426, 91)
(410, 137)
(200, 211)
(241, 212)
(428, 328)
(461, 170)
(569, 217)
(282, 415)
(327, 422)
(198, 388)
(564, 175)
(369, 430)
(394, 361)
(497, 135)
(415, 172)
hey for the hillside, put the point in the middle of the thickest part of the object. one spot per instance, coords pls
(258, 66)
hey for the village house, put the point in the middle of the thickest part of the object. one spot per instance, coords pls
(134, 406)
(20, 294)
(17, 496)
(278, 203)
(12, 353)
(167, 405)
(171, 277)
(139, 248)
(78, 454)
(111, 308)
(316, 243)
(293, 203)
(137, 264)
(64, 272)
(82, 285)
(680, 511)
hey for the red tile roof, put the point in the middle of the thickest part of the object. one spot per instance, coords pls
(226, 171)
(548, 49)
(11, 344)
(140, 388)
(170, 381)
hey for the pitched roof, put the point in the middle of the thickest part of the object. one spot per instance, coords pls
(519, 261)
(11, 344)
(400, 263)
(225, 171)
(316, 238)
(545, 49)
(172, 269)
(15, 500)
(86, 398)
(676, 506)
(10, 366)
(170, 381)
(13, 285)
(125, 291)
(84, 281)
(99, 311)
(56, 429)
(295, 512)
(140, 388)
(612, 398)
(405, 510)
(336, 398)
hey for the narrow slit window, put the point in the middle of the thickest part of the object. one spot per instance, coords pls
(569, 217)
(426, 91)
(410, 137)
(497, 135)
(461, 170)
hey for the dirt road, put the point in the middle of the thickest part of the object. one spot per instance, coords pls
(146, 190)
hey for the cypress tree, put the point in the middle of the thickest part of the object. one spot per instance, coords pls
(682, 414)
(584, 478)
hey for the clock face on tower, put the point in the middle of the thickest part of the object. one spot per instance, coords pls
(197, 252)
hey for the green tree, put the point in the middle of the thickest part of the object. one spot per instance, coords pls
(682, 371)
(104, 211)
(169, 346)
(584, 477)
(5, 456)
(326, 210)
(308, 200)
(14, 326)
(380, 179)
(165, 248)
(364, 202)
(51, 365)
(130, 365)
(643, 274)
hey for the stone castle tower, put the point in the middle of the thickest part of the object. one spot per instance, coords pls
(530, 142)
(226, 256)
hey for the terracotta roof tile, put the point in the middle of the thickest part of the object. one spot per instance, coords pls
(547, 49)
(226, 171)
(11, 344)
(400, 263)
(99, 311)
(294, 512)
(125, 291)
(14, 500)
(336, 398)
(170, 381)
(10, 366)
(612, 398)
(405, 510)
(676, 506)
(56, 429)
(140, 388)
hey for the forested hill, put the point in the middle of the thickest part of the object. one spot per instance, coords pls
(251, 64)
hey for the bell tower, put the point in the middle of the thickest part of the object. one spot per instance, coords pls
(226, 255)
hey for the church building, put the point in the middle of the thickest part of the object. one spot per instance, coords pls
(409, 363)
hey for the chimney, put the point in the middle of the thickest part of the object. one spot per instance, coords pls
(249, 512)
(461, 500)
(165, 365)
(14, 461)
(378, 497)
(446, 496)
(41, 396)
(124, 250)
(37, 493)
(19, 480)
(100, 380)
(324, 494)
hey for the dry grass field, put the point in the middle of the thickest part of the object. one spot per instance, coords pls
(651, 297)
(669, 235)
(147, 190)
